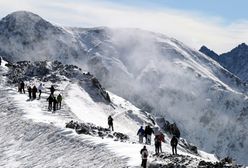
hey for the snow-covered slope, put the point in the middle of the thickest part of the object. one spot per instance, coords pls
(31, 136)
(156, 73)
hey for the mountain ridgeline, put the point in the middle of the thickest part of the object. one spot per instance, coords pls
(156, 73)
(234, 61)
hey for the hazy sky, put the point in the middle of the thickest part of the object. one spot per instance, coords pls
(219, 24)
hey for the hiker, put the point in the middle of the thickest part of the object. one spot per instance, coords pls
(52, 89)
(22, 85)
(148, 134)
(174, 130)
(110, 123)
(29, 92)
(59, 99)
(40, 88)
(141, 133)
(19, 87)
(161, 139)
(0, 60)
(157, 143)
(55, 104)
(174, 143)
(34, 91)
(144, 156)
(50, 102)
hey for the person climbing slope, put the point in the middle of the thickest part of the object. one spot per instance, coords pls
(52, 89)
(141, 133)
(30, 93)
(50, 102)
(40, 89)
(59, 99)
(157, 144)
(110, 123)
(55, 104)
(22, 89)
(174, 143)
(148, 133)
(34, 91)
(144, 156)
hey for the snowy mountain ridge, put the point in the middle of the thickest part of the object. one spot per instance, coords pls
(40, 130)
(154, 72)
(235, 60)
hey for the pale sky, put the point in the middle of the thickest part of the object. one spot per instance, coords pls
(218, 24)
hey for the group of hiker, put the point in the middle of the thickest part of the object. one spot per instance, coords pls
(54, 102)
(145, 133)
(159, 138)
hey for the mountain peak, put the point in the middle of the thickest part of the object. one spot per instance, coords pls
(242, 46)
(26, 26)
(205, 50)
(22, 17)
(241, 50)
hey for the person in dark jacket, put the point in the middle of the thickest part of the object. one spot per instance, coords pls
(148, 133)
(30, 92)
(144, 156)
(141, 133)
(22, 89)
(157, 143)
(59, 99)
(0, 60)
(34, 91)
(110, 123)
(50, 102)
(40, 89)
(52, 89)
(174, 143)
(55, 104)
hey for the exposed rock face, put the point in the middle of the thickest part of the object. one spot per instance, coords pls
(91, 129)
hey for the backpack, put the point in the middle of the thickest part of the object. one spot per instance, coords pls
(145, 154)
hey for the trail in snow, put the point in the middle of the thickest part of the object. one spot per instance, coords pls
(36, 137)
(24, 143)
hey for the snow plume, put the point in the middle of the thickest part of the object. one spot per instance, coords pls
(161, 75)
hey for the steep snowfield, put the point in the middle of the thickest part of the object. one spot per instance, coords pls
(156, 73)
(31, 136)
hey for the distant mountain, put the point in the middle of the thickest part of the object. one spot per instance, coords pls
(156, 73)
(209, 52)
(26, 36)
(235, 61)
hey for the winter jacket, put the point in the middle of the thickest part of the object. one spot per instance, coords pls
(110, 120)
(141, 132)
(148, 130)
(59, 98)
(50, 99)
(34, 90)
(40, 87)
(144, 153)
(174, 141)
(161, 137)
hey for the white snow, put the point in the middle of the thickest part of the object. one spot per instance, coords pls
(82, 107)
